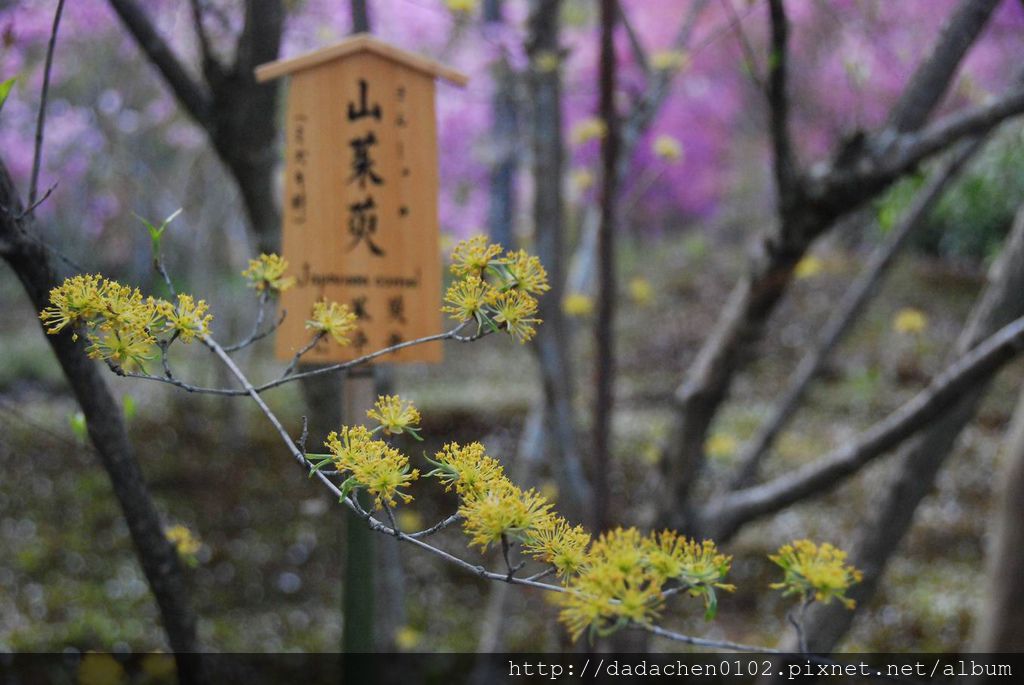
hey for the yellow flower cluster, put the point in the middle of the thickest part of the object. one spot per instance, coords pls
(266, 274)
(395, 415)
(121, 325)
(592, 128)
(334, 319)
(184, 541)
(497, 292)
(371, 464)
(623, 577)
(814, 571)
(910, 321)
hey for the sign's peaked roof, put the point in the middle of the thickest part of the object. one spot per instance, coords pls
(361, 42)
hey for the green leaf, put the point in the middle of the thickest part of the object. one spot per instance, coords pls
(78, 426)
(130, 408)
(5, 90)
(348, 486)
(710, 604)
(156, 233)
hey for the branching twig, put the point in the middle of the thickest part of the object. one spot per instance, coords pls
(37, 155)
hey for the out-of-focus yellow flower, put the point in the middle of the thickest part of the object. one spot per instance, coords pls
(808, 267)
(100, 669)
(460, 6)
(407, 638)
(187, 544)
(577, 304)
(409, 520)
(910, 321)
(582, 179)
(549, 490)
(589, 129)
(394, 415)
(721, 446)
(641, 291)
(266, 274)
(547, 61)
(669, 60)
(160, 667)
(668, 148)
(813, 571)
(334, 319)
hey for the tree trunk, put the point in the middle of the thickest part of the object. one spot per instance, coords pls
(29, 259)
(551, 342)
(1001, 626)
(504, 142)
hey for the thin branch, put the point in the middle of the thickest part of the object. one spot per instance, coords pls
(37, 155)
(741, 37)
(635, 44)
(191, 95)
(723, 517)
(778, 103)
(209, 59)
(846, 313)
(437, 527)
(701, 642)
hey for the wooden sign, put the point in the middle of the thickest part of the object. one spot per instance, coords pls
(361, 188)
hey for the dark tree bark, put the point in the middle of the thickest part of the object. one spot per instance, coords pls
(504, 141)
(548, 219)
(1001, 625)
(27, 255)
(604, 336)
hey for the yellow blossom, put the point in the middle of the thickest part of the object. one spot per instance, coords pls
(669, 60)
(667, 148)
(698, 566)
(557, 543)
(372, 464)
(640, 291)
(184, 541)
(407, 638)
(460, 6)
(808, 267)
(472, 256)
(577, 304)
(74, 301)
(128, 349)
(910, 321)
(588, 129)
(582, 179)
(266, 274)
(526, 272)
(614, 588)
(409, 521)
(546, 61)
(514, 310)
(467, 298)
(814, 571)
(467, 468)
(189, 319)
(721, 446)
(334, 319)
(394, 415)
(504, 510)
(100, 669)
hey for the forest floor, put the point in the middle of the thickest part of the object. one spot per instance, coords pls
(269, 577)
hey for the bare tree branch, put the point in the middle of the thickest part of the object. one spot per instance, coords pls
(37, 154)
(933, 77)
(187, 90)
(778, 106)
(975, 367)
(846, 313)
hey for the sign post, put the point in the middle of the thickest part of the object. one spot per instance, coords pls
(361, 228)
(361, 188)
